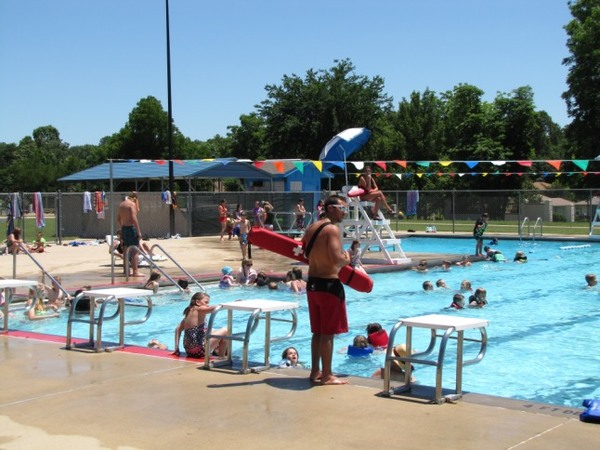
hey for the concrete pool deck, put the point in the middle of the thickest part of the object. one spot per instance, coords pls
(54, 398)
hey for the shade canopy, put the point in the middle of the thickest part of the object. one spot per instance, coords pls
(191, 168)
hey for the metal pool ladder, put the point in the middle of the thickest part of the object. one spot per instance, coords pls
(526, 222)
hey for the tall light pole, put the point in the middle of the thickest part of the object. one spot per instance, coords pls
(170, 126)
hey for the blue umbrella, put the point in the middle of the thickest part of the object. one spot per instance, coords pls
(343, 144)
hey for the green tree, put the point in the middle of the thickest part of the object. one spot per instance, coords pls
(39, 161)
(419, 121)
(583, 79)
(145, 135)
(7, 156)
(464, 120)
(301, 115)
(248, 138)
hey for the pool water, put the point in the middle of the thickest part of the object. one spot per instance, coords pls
(543, 323)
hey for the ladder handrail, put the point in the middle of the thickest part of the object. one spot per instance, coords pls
(154, 266)
(541, 222)
(45, 273)
(525, 220)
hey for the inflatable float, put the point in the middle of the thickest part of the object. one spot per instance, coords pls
(592, 411)
(286, 246)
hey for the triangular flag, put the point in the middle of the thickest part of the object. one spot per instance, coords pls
(555, 164)
(498, 163)
(471, 164)
(259, 164)
(445, 163)
(381, 164)
(299, 165)
(422, 163)
(525, 163)
(399, 176)
(279, 166)
(581, 163)
(420, 175)
(358, 164)
(160, 162)
(318, 165)
(400, 163)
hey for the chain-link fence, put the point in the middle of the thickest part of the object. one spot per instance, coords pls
(79, 215)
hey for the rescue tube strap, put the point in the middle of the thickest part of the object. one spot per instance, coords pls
(313, 238)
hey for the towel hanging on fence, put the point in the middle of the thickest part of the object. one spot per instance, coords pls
(99, 199)
(17, 211)
(38, 208)
(14, 211)
(166, 197)
(87, 202)
(412, 200)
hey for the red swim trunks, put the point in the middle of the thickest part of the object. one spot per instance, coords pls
(326, 306)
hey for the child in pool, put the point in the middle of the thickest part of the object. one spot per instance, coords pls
(227, 279)
(441, 284)
(377, 337)
(421, 267)
(465, 286)
(153, 283)
(458, 301)
(354, 253)
(289, 358)
(360, 346)
(478, 299)
(591, 280)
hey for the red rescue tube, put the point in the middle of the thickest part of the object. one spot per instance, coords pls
(286, 246)
(355, 192)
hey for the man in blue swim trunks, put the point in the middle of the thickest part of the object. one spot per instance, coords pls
(130, 228)
(322, 244)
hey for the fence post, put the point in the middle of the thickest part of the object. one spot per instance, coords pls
(453, 211)
(58, 217)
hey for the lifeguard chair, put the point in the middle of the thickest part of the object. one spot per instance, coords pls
(378, 243)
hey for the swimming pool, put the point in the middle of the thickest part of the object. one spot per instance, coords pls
(543, 324)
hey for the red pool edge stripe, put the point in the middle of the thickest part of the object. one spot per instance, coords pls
(131, 349)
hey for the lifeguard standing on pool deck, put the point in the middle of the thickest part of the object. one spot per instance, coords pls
(325, 293)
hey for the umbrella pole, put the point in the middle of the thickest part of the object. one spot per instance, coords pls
(345, 169)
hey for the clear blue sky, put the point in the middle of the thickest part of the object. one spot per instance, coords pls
(82, 65)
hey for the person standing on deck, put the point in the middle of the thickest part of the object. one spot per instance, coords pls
(325, 293)
(130, 228)
(478, 230)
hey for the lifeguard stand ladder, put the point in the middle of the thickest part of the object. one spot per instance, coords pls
(595, 224)
(375, 235)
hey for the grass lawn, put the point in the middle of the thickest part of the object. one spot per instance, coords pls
(495, 227)
(30, 231)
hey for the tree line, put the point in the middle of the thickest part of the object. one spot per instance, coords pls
(300, 114)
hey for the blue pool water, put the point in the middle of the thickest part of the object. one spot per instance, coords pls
(543, 324)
